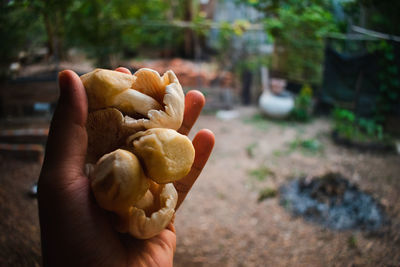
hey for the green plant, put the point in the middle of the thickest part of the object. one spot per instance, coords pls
(383, 16)
(307, 146)
(225, 44)
(104, 29)
(359, 129)
(267, 192)
(250, 149)
(258, 121)
(107, 29)
(344, 122)
(298, 28)
(20, 30)
(371, 128)
(352, 242)
(303, 105)
(279, 153)
(389, 81)
(261, 173)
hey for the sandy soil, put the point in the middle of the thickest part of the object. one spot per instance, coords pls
(221, 223)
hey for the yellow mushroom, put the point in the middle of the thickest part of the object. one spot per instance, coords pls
(104, 129)
(168, 91)
(167, 155)
(147, 99)
(149, 220)
(107, 130)
(107, 88)
(139, 113)
(118, 181)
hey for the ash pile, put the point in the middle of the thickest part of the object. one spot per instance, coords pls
(334, 202)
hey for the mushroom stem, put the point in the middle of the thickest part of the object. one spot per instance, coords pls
(147, 204)
(131, 101)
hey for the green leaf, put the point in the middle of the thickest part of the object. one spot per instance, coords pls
(389, 56)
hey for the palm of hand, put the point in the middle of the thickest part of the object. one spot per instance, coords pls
(75, 231)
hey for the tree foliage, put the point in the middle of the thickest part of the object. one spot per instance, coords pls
(20, 29)
(298, 28)
(380, 15)
(103, 28)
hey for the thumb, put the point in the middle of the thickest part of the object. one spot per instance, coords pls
(67, 140)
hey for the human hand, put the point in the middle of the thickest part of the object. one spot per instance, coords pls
(74, 230)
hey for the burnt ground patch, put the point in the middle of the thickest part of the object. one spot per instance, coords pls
(334, 202)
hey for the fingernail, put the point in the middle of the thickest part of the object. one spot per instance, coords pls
(63, 83)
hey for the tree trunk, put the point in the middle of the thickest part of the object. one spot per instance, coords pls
(188, 34)
(50, 33)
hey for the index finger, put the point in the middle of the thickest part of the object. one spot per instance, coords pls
(194, 102)
(123, 70)
(203, 144)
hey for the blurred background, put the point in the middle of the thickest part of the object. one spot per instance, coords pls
(303, 97)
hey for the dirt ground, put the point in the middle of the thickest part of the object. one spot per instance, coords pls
(221, 223)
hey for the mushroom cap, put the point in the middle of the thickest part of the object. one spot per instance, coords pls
(103, 85)
(168, 92)
(167, 155)
(118, 181)
(159, 100)
(150, 82)
(144, 227)
(104, 132)
(107, 130)
(107, 88)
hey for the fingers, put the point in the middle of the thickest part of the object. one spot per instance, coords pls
(171, 226)
(124, 70)
(203, 144)
(194, 102)
(67, 141)
(168, 238)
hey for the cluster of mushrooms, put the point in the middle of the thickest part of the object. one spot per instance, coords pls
(134, 150)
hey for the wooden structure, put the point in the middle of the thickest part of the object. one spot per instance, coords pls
(18, 97)
(26, 106)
